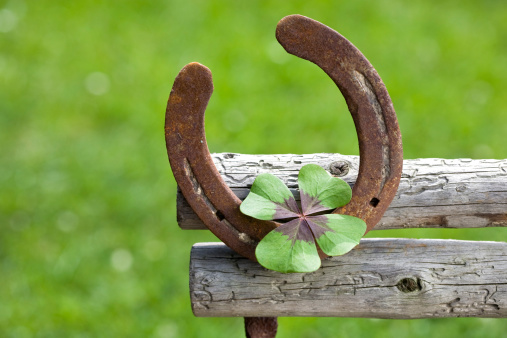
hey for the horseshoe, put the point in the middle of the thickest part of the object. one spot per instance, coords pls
(368, 101)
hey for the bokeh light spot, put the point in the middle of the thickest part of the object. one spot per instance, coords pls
(166, 330)
(97, 83)
(8, 20)
(121, 260)
(67, 221)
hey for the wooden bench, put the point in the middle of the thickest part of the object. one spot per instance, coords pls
(380, 278)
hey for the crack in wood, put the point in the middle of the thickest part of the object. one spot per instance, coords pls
(431, 194)
(381, 278)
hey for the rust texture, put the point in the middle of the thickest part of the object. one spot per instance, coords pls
(261, 327)
(380, 147)
(368, 101)
(194, 170)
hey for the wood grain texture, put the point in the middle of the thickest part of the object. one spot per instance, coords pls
(380, 278)
(433, 193)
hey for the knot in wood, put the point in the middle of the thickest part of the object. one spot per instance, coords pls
(409, 285)
(339, 168)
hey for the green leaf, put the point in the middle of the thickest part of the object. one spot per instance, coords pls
(269, 199)
(292, 247)
(289, 248)
(336, 234)
(320, 191)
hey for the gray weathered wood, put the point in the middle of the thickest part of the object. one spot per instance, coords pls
(433, 193)
(380, 278)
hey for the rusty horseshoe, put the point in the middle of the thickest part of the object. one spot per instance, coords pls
(368, 101)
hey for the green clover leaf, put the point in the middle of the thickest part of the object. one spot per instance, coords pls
(292, 247)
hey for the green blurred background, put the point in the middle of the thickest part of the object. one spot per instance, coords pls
(89, 245)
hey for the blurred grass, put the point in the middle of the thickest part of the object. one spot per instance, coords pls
(89, 245)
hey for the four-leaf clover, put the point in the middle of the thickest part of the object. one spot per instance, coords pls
(292, 247)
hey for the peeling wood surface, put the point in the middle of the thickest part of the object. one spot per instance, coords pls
(380, 278)
(433, 193)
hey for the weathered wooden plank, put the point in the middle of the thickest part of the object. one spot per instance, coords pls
(380, 278)
(433, 193)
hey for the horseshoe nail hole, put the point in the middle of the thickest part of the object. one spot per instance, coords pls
(219, 215)
(374, 202)
(409, 285)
